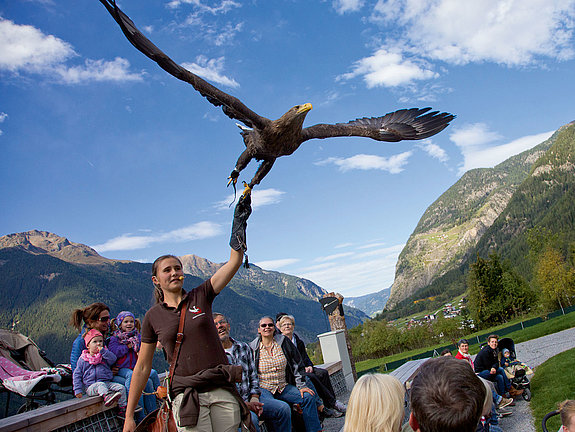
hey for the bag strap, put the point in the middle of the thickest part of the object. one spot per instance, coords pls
(179, 338)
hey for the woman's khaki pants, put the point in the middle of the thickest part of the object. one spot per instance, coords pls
(219, 412)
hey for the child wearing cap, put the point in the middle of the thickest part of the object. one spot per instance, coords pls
(93, 373)
(125, 344)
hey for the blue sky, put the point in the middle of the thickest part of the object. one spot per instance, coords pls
(103, 147)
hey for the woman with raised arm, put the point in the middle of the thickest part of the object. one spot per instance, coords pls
(203, 394)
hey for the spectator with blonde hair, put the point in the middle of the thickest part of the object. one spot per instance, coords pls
(567, 411)
(376, 404)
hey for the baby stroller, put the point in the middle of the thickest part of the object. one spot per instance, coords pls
(517, 373)
(547, 417)
(26, 371)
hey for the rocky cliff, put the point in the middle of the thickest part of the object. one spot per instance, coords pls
(457, 220)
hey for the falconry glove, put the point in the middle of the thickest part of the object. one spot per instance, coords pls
(241, 214)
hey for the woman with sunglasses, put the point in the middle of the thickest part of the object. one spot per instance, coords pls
(277, 362)
(95, 316)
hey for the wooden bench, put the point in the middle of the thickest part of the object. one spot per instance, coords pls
(89, 412)
(86, 413)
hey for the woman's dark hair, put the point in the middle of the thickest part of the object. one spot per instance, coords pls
(158, 293)
(89, 313)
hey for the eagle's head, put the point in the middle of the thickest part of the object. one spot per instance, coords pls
(293, 119)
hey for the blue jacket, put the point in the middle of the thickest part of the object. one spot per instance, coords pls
(77, 347)
(86, 374)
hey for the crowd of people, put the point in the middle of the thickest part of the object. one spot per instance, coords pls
(220, 384)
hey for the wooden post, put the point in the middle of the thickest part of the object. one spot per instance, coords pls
(337, 322)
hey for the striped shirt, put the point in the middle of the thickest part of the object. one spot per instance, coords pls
(272, 368)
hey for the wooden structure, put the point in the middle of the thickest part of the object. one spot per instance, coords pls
(337, 322)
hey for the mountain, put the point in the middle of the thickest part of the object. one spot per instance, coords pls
(371, 304)
(42, 242)
(456, 221)
(544, 200)
(43, 277)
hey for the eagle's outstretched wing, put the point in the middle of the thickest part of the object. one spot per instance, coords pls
(231, 106)
(406, 124)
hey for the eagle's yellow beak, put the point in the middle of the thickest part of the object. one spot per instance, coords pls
(304, 108)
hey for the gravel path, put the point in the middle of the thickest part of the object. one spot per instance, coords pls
(533, 353)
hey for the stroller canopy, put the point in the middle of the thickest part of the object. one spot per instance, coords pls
(22, 351)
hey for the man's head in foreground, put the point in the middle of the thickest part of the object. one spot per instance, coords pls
(446, 396)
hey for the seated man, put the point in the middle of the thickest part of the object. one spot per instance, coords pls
(319, 377)
(277, 413)
(446, 396)
(487, 366)
(499, 402)
(277, 363)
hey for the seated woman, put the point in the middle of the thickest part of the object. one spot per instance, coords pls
(319, 377)
(376, 404)
(277, 362)
(95, 316)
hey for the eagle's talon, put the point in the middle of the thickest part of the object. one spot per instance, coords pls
(233, 178)
(247, 189)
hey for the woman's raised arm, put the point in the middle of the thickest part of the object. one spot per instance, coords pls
(238, 243)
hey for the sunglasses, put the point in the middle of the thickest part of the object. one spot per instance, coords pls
(264, 325)
(103, 319)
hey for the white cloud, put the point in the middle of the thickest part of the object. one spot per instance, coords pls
(389, 69)
(502, 31)
(3, 116)
(371, 245)
(477, 145)
(220, 8)
(276, 264)
(260, 198)
(343, 6)
(210, 69)
(433, 150)
(393, 164)
(333, 257)
(355, 274)
(98, 70)
(198, 231)
(25, 49)
(508, 32)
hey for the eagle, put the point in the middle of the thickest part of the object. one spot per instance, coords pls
(266, 139)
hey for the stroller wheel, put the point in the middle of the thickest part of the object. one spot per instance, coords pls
(526, 394)
(28, 406)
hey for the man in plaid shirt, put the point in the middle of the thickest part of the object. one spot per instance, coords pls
(277, 412)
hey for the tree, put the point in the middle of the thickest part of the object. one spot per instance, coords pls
(555, 278)
(496, 292)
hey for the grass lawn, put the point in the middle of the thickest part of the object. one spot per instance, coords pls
(542, 329)
(553, 382)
